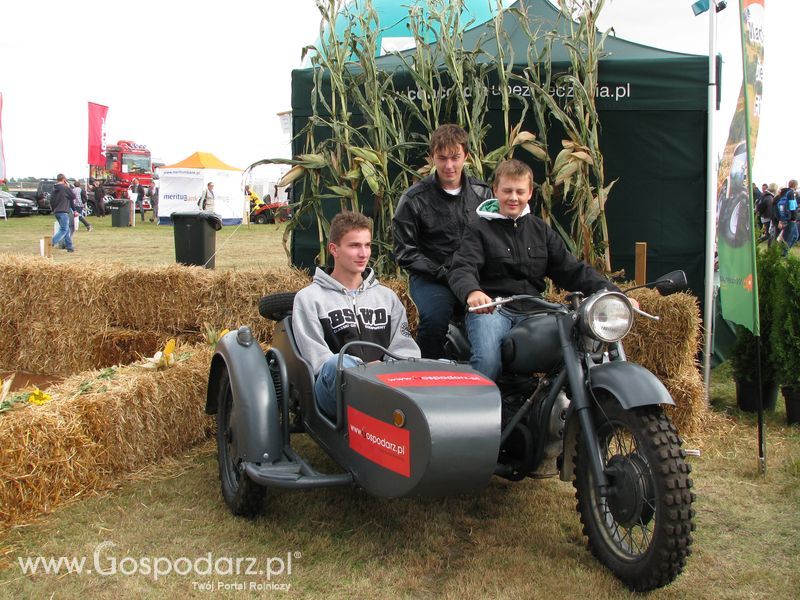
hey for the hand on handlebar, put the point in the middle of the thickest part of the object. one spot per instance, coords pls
(478, 298)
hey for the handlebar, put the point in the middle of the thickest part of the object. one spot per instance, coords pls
(344, 348)
(499, 301)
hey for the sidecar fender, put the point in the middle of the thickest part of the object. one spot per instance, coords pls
(255, 417)
(631, 384)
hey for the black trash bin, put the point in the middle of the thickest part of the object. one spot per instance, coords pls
(195, 237)
(120, 212)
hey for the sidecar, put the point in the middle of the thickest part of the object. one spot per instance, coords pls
(411, 427)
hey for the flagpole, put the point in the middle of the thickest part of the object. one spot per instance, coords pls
(711, 204)
(762, 459)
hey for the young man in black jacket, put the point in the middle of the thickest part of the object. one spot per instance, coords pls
(508, 251)
(428, 224)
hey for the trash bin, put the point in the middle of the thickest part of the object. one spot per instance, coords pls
(120, 212)
(195, 237)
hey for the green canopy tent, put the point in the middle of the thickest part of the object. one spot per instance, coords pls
(653, 114)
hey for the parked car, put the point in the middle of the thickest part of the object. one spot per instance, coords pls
(18, 207)
(41, 196)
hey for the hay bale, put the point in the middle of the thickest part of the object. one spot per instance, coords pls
(156, 298)
(668, 346)
(691, 411)
(233, 297)
(96, 428)
(400, 287)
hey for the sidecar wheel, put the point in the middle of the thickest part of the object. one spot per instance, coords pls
(243, 496)
(642, 529)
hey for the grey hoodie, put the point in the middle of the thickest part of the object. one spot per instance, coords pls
(326, 316)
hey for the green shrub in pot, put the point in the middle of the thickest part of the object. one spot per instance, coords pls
(784, 332)
(744, 356)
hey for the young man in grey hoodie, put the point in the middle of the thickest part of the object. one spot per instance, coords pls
(347, 304)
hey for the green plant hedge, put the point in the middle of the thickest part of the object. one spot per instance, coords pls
(784, 333)
(744, 357)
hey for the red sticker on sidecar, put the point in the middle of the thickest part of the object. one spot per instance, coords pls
(433, 379)
(379, 442)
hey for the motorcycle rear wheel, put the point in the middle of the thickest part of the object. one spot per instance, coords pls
(642, 530)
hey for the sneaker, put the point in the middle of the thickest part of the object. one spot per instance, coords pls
(90, 228)
(70, 249)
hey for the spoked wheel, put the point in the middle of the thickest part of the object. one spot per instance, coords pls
(642, 529)
(243, 496)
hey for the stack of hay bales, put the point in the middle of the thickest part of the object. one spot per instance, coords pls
(98, 426)
(669, 348)
(63, 319)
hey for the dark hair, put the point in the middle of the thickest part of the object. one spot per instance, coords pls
(513, 168)
(449, 136)
(61, 177)
(345, 222)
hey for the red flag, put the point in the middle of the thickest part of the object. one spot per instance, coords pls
(97, 134)
(2, 155)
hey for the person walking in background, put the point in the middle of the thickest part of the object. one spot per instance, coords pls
(80, 202)
(99, 197)
(137, 195)
(154, 199)
(61, 201)
(206, 200)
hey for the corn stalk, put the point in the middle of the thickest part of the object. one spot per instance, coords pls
(368, 140)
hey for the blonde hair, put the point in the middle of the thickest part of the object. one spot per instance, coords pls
(513, 168)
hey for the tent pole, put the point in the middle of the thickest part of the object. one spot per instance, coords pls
(711, 205)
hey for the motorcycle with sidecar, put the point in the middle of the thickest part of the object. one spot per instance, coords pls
(568, 404)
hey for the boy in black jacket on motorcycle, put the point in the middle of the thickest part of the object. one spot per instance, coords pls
(509, 251)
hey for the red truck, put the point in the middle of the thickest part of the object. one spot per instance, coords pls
(125, 161)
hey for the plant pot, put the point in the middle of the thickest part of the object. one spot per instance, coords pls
(747, 395)
(791, 396)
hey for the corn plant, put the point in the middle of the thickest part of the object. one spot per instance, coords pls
(366, 140)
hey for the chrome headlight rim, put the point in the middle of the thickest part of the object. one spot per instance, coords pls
(588, 311)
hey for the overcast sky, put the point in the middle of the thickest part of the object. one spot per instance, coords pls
(184, 76)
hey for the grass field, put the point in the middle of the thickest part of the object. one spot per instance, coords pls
(146, 243)
(518, 540)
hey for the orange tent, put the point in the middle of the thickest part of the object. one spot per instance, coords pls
(202, 160)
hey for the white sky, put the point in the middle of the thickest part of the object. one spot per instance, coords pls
(184, 76)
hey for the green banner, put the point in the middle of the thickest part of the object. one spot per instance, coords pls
(735, 222)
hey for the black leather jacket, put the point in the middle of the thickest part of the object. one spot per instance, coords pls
(504, 257)
(62, 199)
(428, 224)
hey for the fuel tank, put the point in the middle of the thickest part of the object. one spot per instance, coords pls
(532, 346)
(419, 428)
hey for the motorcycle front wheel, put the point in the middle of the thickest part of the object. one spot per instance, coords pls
(642, 529)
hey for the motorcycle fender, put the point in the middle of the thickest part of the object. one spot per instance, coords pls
(255, 417)
(631, 384)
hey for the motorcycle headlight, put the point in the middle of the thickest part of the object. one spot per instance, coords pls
(607, 316)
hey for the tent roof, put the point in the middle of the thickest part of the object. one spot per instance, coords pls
(201, 160)
(541, 13)
(646, 78)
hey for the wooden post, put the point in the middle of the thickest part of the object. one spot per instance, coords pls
(46, 246)
(641, 263)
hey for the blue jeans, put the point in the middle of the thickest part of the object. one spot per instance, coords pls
(64, 232)
(790, 236)
(325, 385)
(435, 303)
(486, 333)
